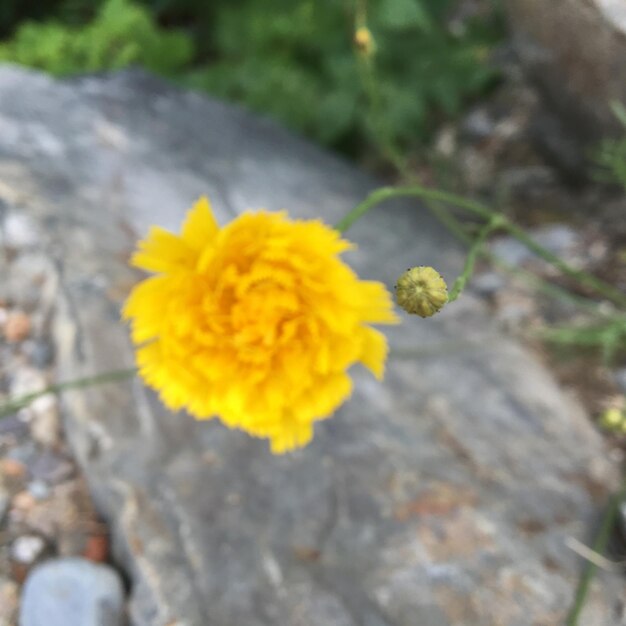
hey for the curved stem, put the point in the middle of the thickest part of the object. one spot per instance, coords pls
(459, 284)
(387, 193)
(23, 401)
(599, 546)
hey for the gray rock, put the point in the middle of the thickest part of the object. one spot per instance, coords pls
(51, 467)
(477, 125)
(557, 238)
(45, 423)
(63, 592)
(443, 496)
(5, 500)
(574, 49)
(39, 351)
(619, 376)
(488, 283)
(12, 428)
(26, 453)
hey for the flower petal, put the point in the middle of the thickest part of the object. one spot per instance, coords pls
(162, 251)
(200, 226)
(374, 352)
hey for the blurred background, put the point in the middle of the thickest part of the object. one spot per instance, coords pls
(292, 60)
(517, 104)
(520, 104)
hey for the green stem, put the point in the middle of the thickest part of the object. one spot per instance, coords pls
(453, 224)
(550, 289)
(475, 249)
(599, 546)
(23, 401)
(387, 193)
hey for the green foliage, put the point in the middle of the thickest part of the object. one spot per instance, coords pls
(608, 336)
(611, 155)
(292, 59)
(296, 61)
(121, 34)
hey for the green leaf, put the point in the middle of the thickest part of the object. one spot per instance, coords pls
(398, 14)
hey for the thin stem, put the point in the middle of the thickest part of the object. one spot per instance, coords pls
(19, 403)
(475, 249)
(387, 193)
(540, 284)
(366, 65)
(599, 546)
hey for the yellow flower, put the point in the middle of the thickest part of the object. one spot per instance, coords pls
(256, 323)
(422, 291)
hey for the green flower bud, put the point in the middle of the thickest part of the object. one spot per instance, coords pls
(421, 291)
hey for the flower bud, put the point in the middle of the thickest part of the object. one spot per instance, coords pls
(421, 291)
(613, 419)
(364, 41)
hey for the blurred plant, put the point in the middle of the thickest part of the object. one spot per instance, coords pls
(614, 419)
(295, 61)
(121, 34)
(603, 331)
(292, 59)
(611, 155)
(607, 334)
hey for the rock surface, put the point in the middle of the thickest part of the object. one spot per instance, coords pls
(442, 497)
(45, 507)
(575, 50)
(72, 591)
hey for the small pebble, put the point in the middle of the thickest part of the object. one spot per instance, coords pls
(17, 327)
(26, 380)
(23, 501)
(25, 453)
(97, 548)
(51, 467)
(477, 125)
(19, 230)
(45, 424)
(39, 489)
(68, 591)
(9, 599)
(39, 351)
(27, 549)
(12, 467)
(13, 427)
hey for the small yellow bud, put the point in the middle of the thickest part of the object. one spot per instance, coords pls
(364, 41)
(613, 419)
(422, 291)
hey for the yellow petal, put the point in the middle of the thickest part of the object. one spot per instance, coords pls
(162, 251)
(374, 351)
(200, 226)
